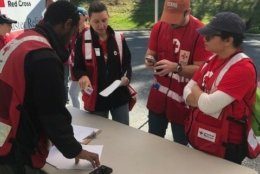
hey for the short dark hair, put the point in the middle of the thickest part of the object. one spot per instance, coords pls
(238, 38)
(59, 12)
(96, 7)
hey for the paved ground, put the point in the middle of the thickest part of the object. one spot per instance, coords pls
(142, 79)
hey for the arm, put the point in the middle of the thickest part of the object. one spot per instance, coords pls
(79, 69)
(207, 103)
(49, 104)
(126, 64)
(166, 67)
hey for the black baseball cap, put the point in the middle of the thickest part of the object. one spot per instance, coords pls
(6, 20)
(224, 21)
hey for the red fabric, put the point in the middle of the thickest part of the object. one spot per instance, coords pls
(176, 45)
(12, 81)
(235, 83)
(3, 41)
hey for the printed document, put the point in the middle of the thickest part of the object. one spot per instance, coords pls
(57, 160)
(82, 132)
(111, 88)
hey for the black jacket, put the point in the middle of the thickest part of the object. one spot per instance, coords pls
(44, 102)
(107, 72)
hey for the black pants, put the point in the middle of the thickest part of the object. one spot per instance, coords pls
(236, 153)
(10, 169)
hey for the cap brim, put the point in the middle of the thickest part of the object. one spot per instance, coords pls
(171, 17)
(207, 30)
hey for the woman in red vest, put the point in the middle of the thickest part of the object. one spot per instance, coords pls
(102, 56)
(222, 92)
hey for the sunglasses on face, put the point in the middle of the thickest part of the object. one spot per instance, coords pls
(209, 37)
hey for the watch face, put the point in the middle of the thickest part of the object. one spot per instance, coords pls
(179, 68)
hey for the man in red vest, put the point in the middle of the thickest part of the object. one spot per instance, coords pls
(32, 100)
(175, 52)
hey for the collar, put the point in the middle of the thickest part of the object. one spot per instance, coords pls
(46, 30)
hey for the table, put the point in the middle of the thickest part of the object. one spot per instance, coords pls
(131, 151)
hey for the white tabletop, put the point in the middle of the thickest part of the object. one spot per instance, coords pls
(131, 151)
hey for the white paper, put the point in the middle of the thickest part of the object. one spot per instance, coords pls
(111, 88)
(81, 132)
(57, 160)
(4, 132)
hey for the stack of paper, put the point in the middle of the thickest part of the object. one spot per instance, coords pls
(57, 160)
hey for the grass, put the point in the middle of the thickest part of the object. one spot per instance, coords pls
(139, 14)
(128, 14)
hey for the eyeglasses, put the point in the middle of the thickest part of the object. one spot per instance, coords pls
(209, 37)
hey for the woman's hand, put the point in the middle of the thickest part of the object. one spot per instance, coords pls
(84, 83)
(124, 81)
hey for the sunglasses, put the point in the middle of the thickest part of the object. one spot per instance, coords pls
(209, 37)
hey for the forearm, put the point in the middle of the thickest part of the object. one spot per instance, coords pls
(187, 95)
(127, 67)
(214, 103)
(188, 70)
(49, 104)
(79, 68)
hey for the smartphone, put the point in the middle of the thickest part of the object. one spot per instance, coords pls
(102, 170)
(88, 90)
(150, 60)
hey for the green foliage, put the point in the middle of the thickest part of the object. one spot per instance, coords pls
(139, 14)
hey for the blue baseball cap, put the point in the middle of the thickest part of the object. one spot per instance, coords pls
(82, 11)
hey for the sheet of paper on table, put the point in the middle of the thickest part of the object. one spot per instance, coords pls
(57, 160)
(111, 88)
(81, 132)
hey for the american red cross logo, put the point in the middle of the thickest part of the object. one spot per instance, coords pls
(2, 4)
(184, 56)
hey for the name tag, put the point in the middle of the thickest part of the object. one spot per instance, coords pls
(97, 51)
(207, 135)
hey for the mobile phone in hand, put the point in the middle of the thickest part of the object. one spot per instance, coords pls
(102, 170)
(150, 59)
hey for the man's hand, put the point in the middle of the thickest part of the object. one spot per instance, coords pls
(91, 157)
(164, 67)
(149, 61)
(84, 82)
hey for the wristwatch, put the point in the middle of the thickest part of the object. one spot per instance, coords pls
(178, 68)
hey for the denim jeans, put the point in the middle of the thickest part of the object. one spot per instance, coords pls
(119, 114)
(74, 94)
(158, 124)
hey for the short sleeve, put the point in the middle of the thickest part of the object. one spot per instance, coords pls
(152, 45)
(239, 80)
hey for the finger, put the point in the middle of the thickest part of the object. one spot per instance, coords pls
(76, 160)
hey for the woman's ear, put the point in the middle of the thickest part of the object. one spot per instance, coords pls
(229, 40)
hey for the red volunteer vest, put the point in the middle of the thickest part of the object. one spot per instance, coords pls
(12, 87)
(210, 134)
(89, 53)
(166, 93)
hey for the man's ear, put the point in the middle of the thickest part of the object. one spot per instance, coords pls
(68, 24)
